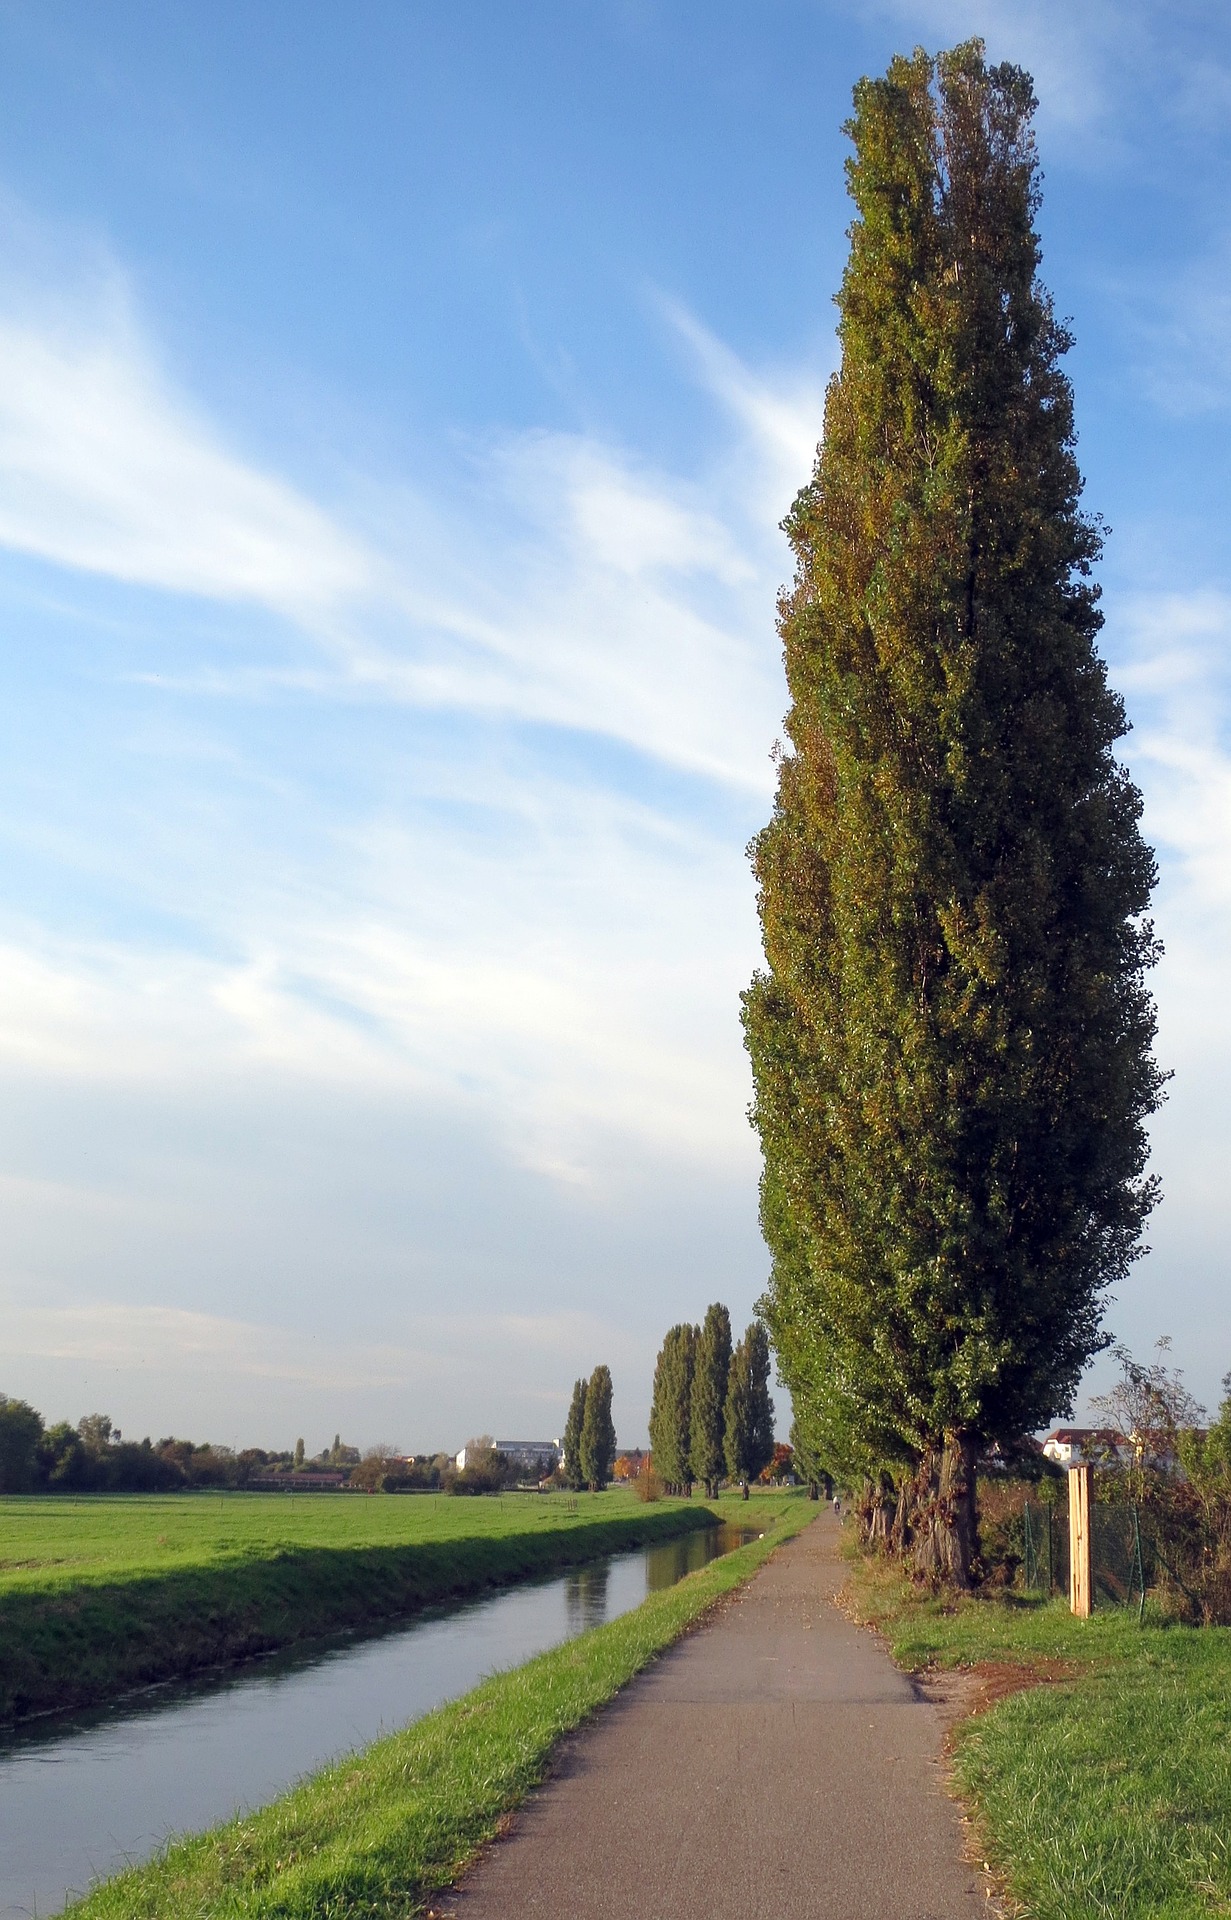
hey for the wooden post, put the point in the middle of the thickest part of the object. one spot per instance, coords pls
(1081, 1556)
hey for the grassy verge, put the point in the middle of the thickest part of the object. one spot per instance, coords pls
(374, 1836)
(73, 1636)
(1104, 1794)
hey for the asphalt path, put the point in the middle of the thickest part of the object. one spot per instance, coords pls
(771, 1766)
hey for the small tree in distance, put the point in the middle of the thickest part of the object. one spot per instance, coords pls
(707, 1414)
(572, 1437)
(598, 1442)
(671, 1410)
(749, 1437)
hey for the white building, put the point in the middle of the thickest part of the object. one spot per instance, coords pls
(1076, 1446)
(539, 1457)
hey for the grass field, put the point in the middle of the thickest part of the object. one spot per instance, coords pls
(375, 1836)
(1104, 1793)
(52, 1540)
(101, 1595)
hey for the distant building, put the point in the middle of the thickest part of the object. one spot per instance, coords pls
(537, 1458)
(1078, 1446)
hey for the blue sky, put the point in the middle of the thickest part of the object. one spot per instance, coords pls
(397, 405)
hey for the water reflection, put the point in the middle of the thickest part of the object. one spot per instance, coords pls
(585, 1596)
(669, 1562)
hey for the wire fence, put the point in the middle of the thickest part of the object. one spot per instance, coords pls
(1027, 1541)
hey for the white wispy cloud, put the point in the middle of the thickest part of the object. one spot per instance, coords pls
(1072, 52)
(1180, 332)
(575, 965)
(781, 418)
(563, 582)
(1089, 62)
(113, 1334)
(504, 932)
(105, 468)
(577, 971)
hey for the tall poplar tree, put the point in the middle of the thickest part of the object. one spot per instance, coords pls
(572, 1437)
(709, 1398)
(748, 1438)
(597, 1449)
(951, 1041)
(670, 1411)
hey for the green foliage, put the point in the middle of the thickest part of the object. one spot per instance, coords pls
(951, 1044)
(810, 1465)
(1206, 1457)
(376, 1836)
(572, 1437)
(707, 1410)
(671, 1407)
(21, 1431)
(110, 1594)
(598, 1440)
(749, 1427)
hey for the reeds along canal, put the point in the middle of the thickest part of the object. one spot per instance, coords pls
(81, 1798)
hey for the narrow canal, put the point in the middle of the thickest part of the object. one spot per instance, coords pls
(83, 1797)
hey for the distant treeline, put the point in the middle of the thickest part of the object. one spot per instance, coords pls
(94, 1457)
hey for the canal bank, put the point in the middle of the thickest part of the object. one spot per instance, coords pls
(80, 1799)
(76, 1643)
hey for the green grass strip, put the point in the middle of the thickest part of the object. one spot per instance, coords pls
(372, 1837)
(79, 1644)
(1104, 1795)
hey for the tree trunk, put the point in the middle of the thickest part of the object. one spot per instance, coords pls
(901, 1532)
(872, 1509)
(744, 1487)
(945, 1521)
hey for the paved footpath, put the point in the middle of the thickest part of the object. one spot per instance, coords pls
(771, 1766)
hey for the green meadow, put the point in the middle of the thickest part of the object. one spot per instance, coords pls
(100, 1595)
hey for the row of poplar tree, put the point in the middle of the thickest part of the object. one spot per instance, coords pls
(589, 1442)
(711, 1416)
